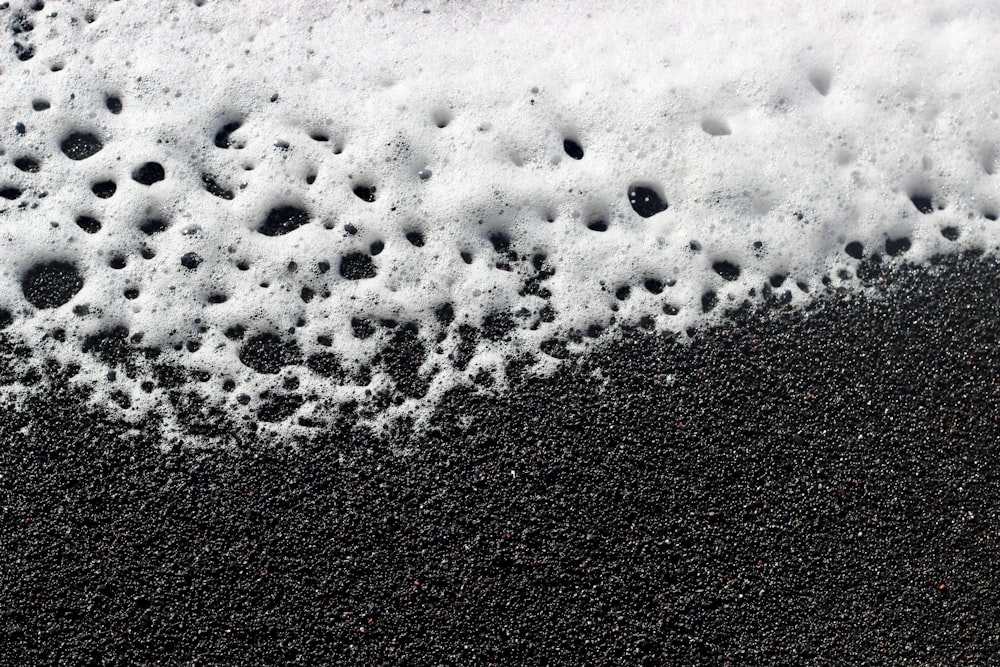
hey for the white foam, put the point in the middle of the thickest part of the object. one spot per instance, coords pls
(799, 128)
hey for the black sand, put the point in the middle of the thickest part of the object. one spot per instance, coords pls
(792, 488)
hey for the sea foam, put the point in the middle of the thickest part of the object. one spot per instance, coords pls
(332, 201)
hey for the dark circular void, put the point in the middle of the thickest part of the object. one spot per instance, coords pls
(80, 145)
(646, 201)
(51, 284)
(153, 226)
(104, 189)
(88, 224)
(191, 260)
(27, 164)
(357, 266)
(113, 103)
(855, 250)
(282, 220)
(149, 173)
(728, 270)
(365, 192)
(573, 149)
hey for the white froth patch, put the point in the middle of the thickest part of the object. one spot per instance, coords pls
(774, 134)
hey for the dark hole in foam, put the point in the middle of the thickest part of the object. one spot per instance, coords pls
(28, 164)
(445, 313)
(20, 23)
(598, 225)
(362, 327)
(88, 224)
(80, 145)
(357, 266)
(213, 187)
(222, 139)
(51, 284)
(191, 260)
(646, 200)
(24, 52)
(727, 270)
(708, 301)
(922, 202)
(653, 286)
(10, 193)
(149, 173)
(950, 233)
(894, 247)
(281, 220)
(415, 238)
(365, 192)
(104, 189)
(153, 226)
(500, 241)
(573, 149)
(235, 332)
(40, 105)
(855, 250)
(113, 103)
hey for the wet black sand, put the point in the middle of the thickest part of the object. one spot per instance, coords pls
(792, 488)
